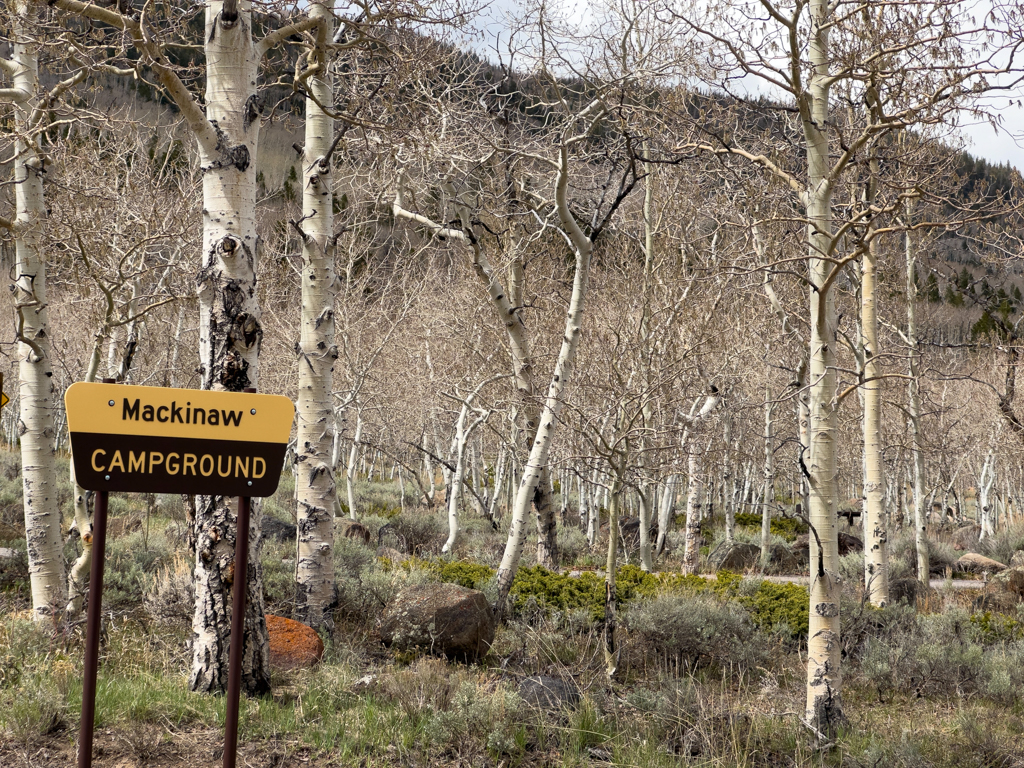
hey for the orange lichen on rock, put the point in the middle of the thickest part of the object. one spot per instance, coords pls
(293, 645)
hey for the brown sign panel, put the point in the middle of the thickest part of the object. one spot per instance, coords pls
(162, 440)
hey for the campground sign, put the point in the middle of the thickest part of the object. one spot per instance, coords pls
(162, 440)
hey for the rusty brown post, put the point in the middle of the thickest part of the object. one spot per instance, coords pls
(92, 627)
(241, 582)
(240, 585)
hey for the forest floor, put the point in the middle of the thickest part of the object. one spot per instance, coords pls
(711, 671)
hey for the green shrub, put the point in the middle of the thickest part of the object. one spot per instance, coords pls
(780, 606)
(773, 607)
(786, 527)
(471, 575)
(998, 627)
(558, 591)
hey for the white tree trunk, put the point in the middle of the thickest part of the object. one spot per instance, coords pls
(914, 396)
(694, 501)
(769, 478)
(824, 678)
(35, 370)
(350, 470)
(876, 551)
(315, 489)
(463, 431)
(230, 336)
(536, 465)
(647, 499)
(665, 512)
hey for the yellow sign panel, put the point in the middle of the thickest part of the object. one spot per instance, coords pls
(4, 399)
(161, 440)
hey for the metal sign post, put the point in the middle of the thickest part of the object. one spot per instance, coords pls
(92, 631)
(161, 440)
(237, 630)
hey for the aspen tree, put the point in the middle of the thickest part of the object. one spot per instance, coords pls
(316, 490)
(914, 403)
(32, 326)
(695, 445)
(876, 558)
(230, 332)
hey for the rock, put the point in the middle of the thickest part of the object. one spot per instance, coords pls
(350, 529)
(293, 645)
(439, 618)
(549, 692)
(1004, 590)
(1009, 580)
(734, 557)
(847, 544)
(966, 537)
(11, 532)
(972, 562)
(365, 684)
(278, 529)
(1017, 559)
(781, 559)
(392, 554)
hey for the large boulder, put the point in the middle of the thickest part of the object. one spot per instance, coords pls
(1004, 590)
(293, 645)
(972, 562)
(966, 537)
(781, 559)
(734, 557)
(847, 544)
(629, 532)
(549, 692)
(439, 618)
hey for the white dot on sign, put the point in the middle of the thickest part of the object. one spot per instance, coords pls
(250, 482)
(106, 477)
(110, 403)
(253, 411)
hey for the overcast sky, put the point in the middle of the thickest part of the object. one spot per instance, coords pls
(1003, 146)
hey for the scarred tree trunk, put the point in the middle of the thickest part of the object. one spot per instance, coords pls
(316, 490)
(36, 394)
(230, 336)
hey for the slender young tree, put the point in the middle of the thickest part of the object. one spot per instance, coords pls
(316, 489)
(33, 108)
